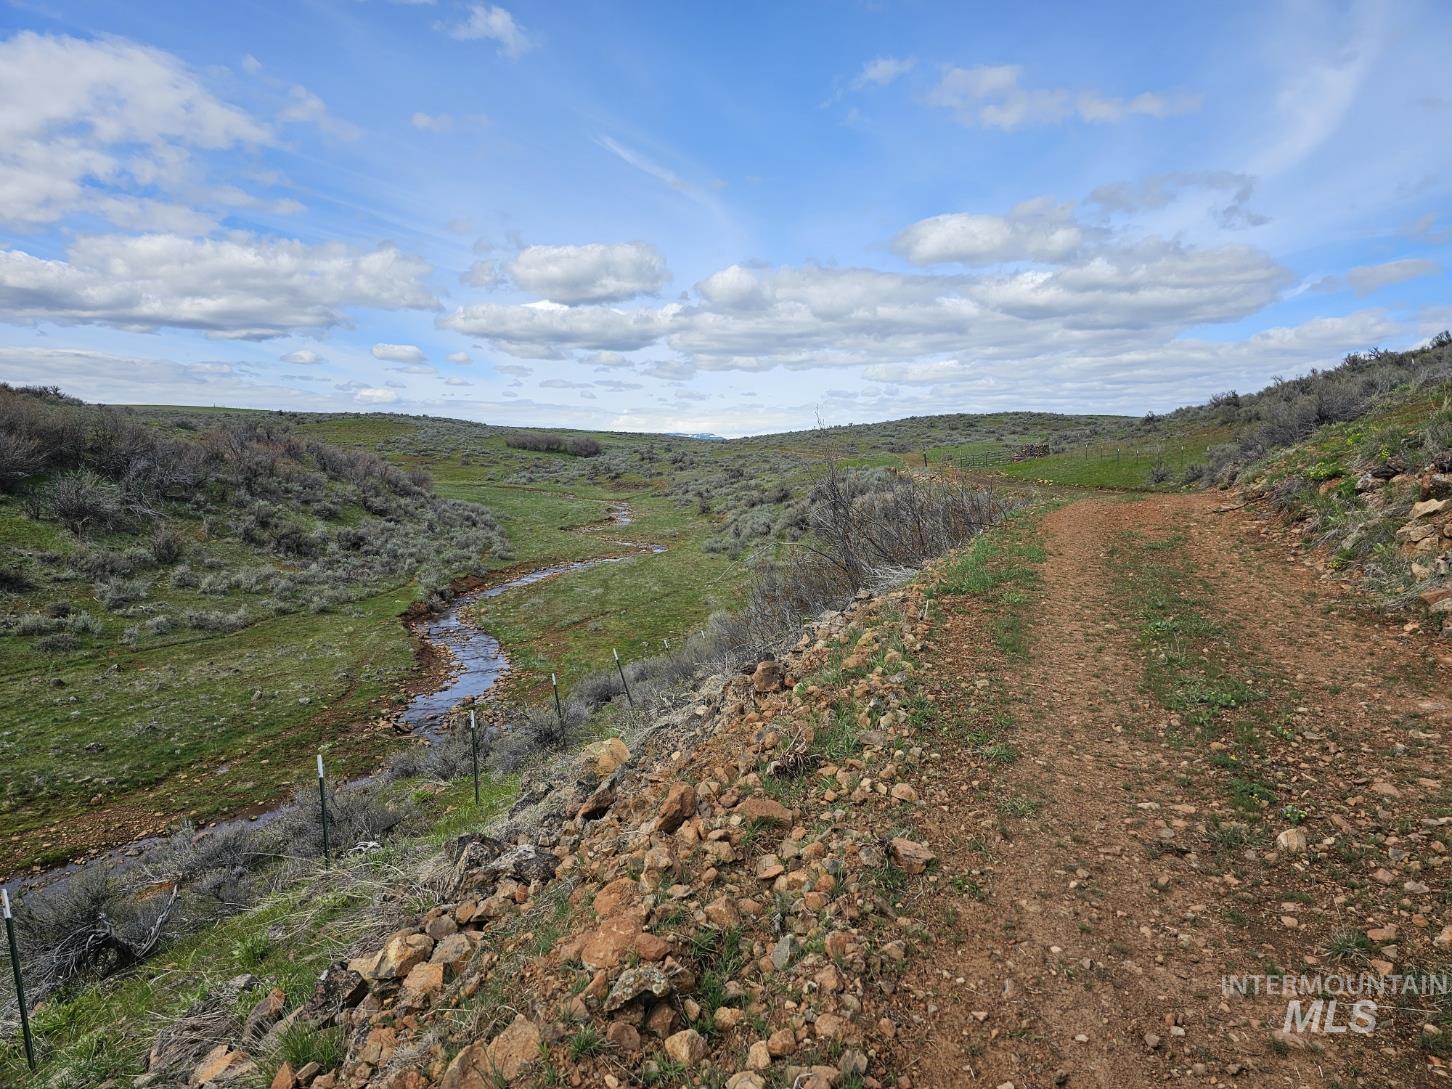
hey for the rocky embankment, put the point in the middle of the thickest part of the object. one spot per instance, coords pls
(1357, 511)
(718, 899)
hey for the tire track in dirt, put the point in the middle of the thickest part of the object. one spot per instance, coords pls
(1097, 956)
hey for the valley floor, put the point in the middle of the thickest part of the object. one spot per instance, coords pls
(1126, 737)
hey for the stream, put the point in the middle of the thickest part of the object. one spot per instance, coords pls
(478, 658)
(478, 664)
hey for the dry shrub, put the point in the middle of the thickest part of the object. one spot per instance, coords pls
(557, 444)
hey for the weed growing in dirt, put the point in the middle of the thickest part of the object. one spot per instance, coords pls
(1019, 807)
(1350, 945)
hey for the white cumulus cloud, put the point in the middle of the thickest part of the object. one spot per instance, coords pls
(589, 273)
(376, 395)
(547, 330)
(1113, 298)
(481, 274)
(1031, 233)
(1157, 191)
(493, 24)
(399, 353)
(238, 287)
(735, 288)
(99, 125)
(304, 356)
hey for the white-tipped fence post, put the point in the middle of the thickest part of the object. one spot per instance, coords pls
(323, 812)
(19, 980)
(623, 682)
(474, 752)
(559, 711)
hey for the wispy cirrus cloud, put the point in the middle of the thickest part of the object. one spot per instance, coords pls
(880, 71)
(704, 195)
(1366, 279)
(634, 158)
(993, 96)
(305, 107)
(1156, 191)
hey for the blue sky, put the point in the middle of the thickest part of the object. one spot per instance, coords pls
(727, 218)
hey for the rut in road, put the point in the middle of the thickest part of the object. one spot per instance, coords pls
(1112, 858)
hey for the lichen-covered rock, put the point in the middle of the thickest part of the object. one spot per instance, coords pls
(634, 982)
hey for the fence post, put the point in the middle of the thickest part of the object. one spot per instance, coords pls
(19, 980)
(323, 811)
(559, 711)
(621, 670)
(474, 752)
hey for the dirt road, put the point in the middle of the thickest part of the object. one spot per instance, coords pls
(1184, 689)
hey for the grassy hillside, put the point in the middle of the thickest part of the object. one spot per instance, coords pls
(1355, 489)
(192, 604)
(179, 642)
(1215, 442)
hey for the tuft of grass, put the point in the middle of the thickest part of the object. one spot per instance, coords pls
(1019, 806)
(302, 1044)
(889, 878)
(1228, 837)
(839, 740)
(1000, 752)
(962, 883)
(251, 952)
(586, 1041)
(1350, 945)
(718, 957)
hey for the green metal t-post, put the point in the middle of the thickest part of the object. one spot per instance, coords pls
(19, 980)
